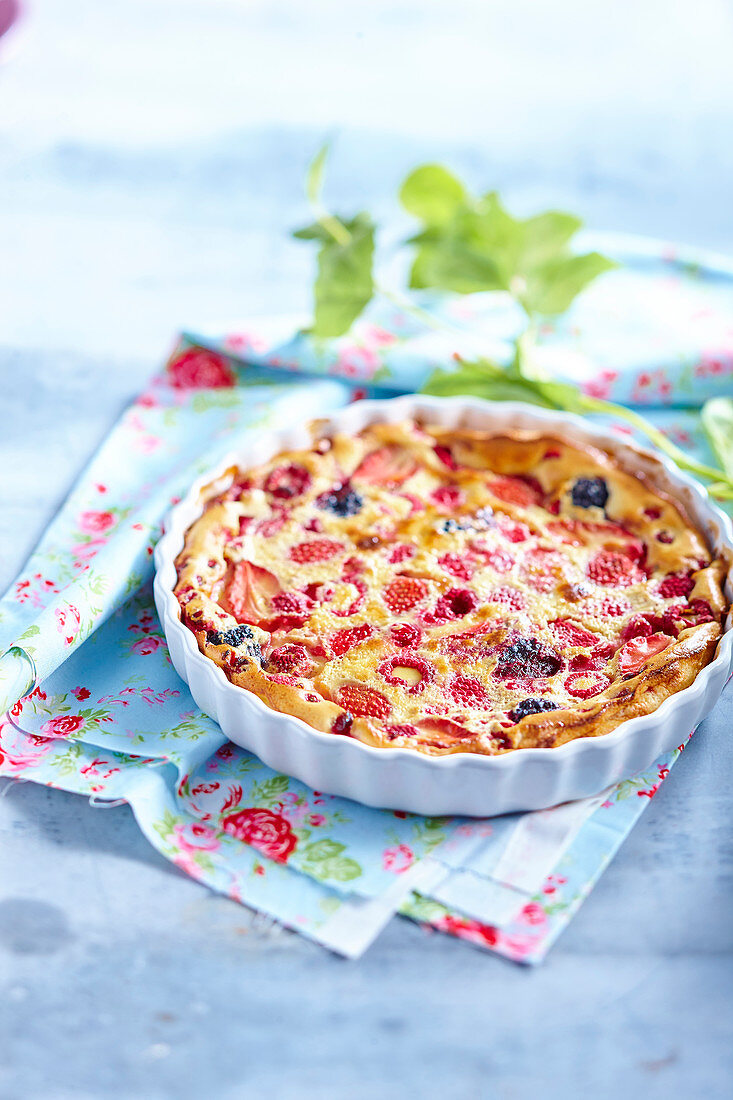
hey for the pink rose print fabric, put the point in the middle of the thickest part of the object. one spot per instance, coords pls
(109, 718)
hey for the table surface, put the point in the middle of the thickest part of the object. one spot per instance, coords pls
(151, 159)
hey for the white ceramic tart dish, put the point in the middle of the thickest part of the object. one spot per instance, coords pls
(409, 616)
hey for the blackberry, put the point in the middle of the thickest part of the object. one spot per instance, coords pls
(528, 658)
(590, 492)
(342, 500)
(236, 637)
(530, 706)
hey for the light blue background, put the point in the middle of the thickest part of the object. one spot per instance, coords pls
(151, 157)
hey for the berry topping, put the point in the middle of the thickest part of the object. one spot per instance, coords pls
(401, 552)
(696, 612)
(344, 640)
(481, 520)
(612, 569)
(642, 626)
(407, 670)
(676, 584)
(665, 536)
(403, 593)
(248, 592)
(342, 724)
(542, 568)
(456, 603)
(444, 455)
(512, 597)
(515, 532)
(286, 482)
(392, 732)
(528, 659)
(608, 608)
(461, 566)
(237, 636)
(389, 465)
(405, 634)
(531, 706)
(363, 701)
(448, 497)
(569, 633)
(635, 653)
(294, 610)
(499, 560)
(590, 492)
(467, 691)
(342, 500)
(290, 658)
(522, 491)
(315, 551)
(584, 685)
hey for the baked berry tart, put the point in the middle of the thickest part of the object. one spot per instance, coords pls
(451, 588)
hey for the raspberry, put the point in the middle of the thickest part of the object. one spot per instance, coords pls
(403, 593)
(344, 640)
(274, 523)
(351, 568)
(456, 603)
(608, 607)
(542, 569)
(448, 497)
(528, 658)
(295, 609)
(401, 552)
(400, 731)
(313, 525)
(531, 706)
(405, 634)
(498, 560)
(390, 465)
(569, 633)
(468, 691)
(676, 584)
(642, 626)
(286, 482)
(342, 724)
(458, 565)
(612, 569)
(290, 658)
(590, 492)
(584, 685)
(357, 603)
(509, 596)
(652, 513)
(342, 500)
(517, 490)
(315, 551)
(515, 532)
(407, 660)
(696, 612)
(636, 652)
(363, 701)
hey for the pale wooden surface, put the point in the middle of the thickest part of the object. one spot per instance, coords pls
(150, 161)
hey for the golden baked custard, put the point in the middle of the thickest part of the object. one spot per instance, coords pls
(450, 590)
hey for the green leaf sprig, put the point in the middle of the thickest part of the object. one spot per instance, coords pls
(468, 243)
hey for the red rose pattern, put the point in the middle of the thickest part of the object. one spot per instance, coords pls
(198, 369)
(269, 832)
(63, 726)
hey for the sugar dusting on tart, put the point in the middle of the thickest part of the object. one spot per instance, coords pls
(450, 590)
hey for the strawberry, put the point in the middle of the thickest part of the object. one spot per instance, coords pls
(400, 731)
(636, 652)
(363, 702)
(569, 633)
(403, 593)
(612, 569)
(445, 456)
(344, 640)
(458, 565)
(584, 685)
(390, 465)
(445, 728)
(248, 592)
(286, 482)
(523, 491)
(676, 584)
(316, 551)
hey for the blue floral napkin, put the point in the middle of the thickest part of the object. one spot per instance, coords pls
(109, 718)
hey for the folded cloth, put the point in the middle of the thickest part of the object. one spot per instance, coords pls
(108, 717)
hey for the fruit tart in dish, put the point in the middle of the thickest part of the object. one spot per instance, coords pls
(451, 588)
